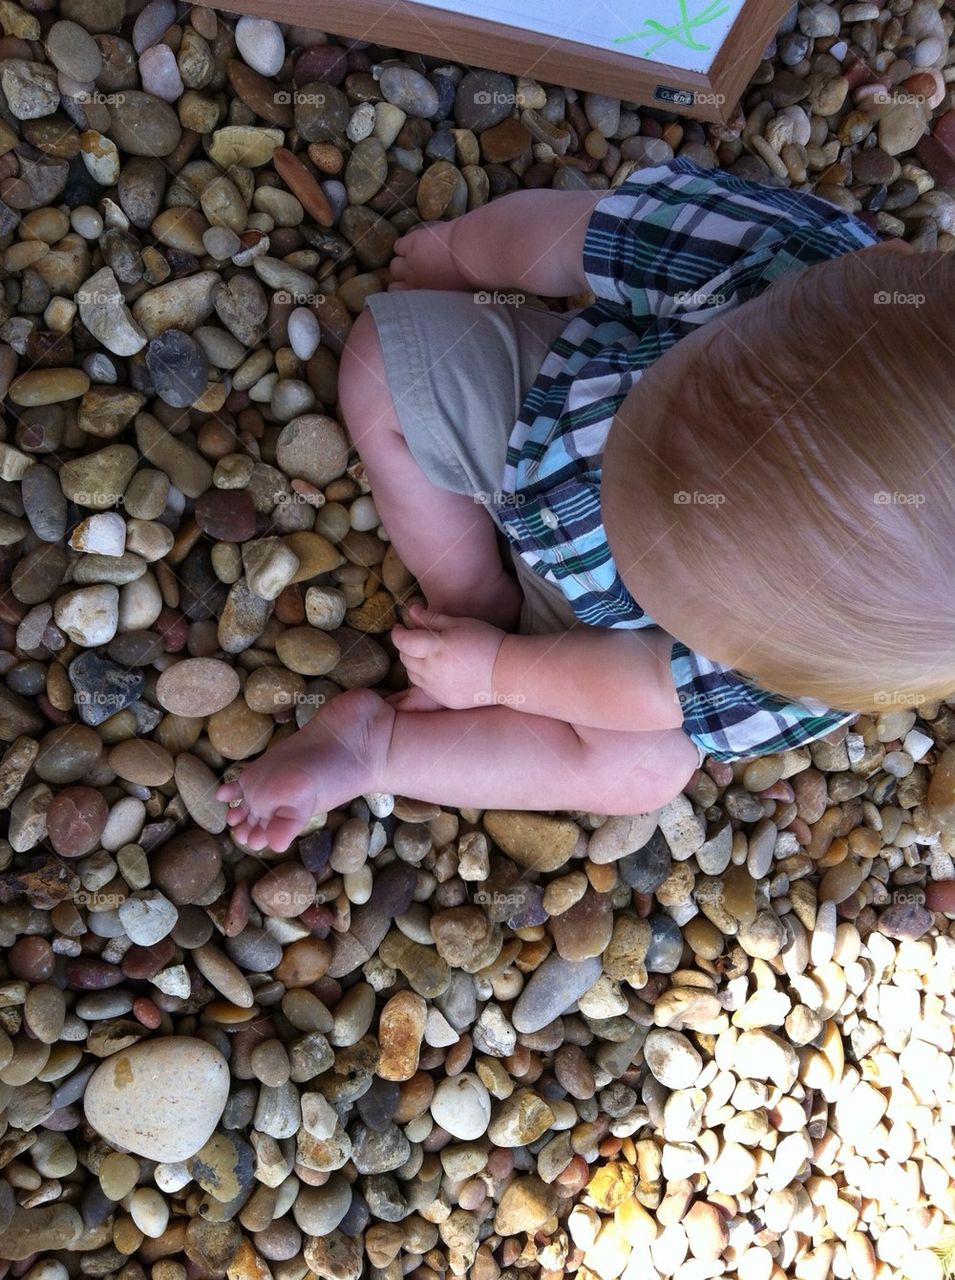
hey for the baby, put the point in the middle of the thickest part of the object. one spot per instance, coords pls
(710, 513)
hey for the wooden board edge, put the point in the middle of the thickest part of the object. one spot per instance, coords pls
(740, 52)
(480, 43)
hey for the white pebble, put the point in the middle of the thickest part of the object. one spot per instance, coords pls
(89, 615)
(462, 1106)
(86, 222)
(362, 514)
(917, 743)
(140, 603)
(221, 242)
(103, 533)
(260, 42)
(148, 917)
(126, 820)
(149, 1211)
(304, 332)
(171, 1177)
(159, 73)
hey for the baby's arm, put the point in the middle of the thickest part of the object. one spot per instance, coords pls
(529, 240)
(594, 677)
(599, 677)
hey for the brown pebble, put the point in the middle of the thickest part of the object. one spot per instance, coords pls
(186, 866)
(304, 962)
(75, 821)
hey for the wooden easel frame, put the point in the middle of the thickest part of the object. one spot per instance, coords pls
(477, 42)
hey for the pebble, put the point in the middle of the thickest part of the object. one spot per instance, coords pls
(197, 687)
(461, 1105)
(186, 866)
(552, 990)
(646, 868)
(104, 312)
(313, 448)
(178, 366)
(672, 1059)
(147, 916)
(304, 333)
(160, 1099)
(260, 43)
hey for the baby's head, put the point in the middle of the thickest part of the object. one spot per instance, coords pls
(779, 488)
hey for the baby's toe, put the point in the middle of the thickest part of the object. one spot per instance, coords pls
(281, 832)
(239, 814)
(228, 791)
(258, 838)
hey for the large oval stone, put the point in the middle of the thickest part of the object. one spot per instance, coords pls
(160, 1099)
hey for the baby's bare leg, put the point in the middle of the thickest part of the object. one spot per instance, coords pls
(491, 757)
(495, 757)
(445, 539)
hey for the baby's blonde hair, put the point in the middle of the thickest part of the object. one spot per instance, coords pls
(824, 423)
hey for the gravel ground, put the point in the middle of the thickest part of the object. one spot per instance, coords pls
(713, 1040)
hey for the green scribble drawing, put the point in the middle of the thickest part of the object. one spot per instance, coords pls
(680, 31)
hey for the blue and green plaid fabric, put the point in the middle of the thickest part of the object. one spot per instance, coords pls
(670, 249)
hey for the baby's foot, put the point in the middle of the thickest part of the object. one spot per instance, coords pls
(336, 756)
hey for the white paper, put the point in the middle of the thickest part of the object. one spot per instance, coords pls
(683, 34)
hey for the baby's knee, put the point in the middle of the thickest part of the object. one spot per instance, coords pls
(639, 772)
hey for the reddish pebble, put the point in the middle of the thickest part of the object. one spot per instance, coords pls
(500, 1162)
(226, 514)
(326, 62)
(940, 896)
(173, 629)
(472, 1195)
(237, 912)
(318, 920)
(290, 605)
(31, 959)
(141, 963)
(87, 974)
(146, 1012)
(75, 821)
